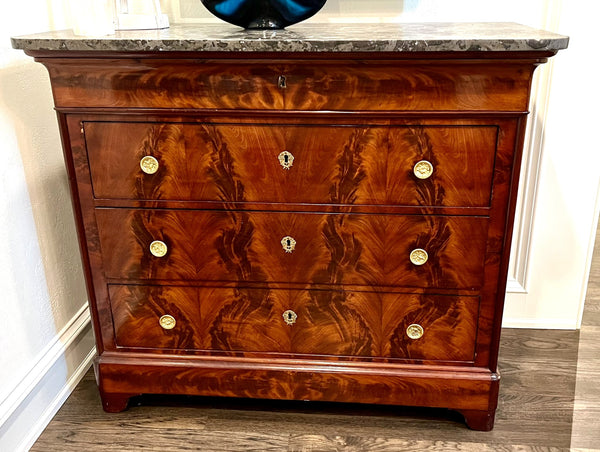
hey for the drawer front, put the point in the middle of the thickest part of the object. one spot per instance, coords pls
(340, 323)
(372, 250)
(324, 85)
(293, 164)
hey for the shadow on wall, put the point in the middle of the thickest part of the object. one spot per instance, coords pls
(25, 100)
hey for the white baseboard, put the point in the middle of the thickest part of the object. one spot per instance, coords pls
(539, 324)
(44, 388)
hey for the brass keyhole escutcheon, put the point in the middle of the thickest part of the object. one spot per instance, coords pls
(290, 317)
(158, 248)
(149, 165)
(282, 82)
(418, 256)
(286, 159)
(288, 244)
(423, 169)
(414, 331)
(167, 322)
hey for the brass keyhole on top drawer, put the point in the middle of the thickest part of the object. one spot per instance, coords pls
(290, 317)
(286, 159)
(288, 243)
(282, 82)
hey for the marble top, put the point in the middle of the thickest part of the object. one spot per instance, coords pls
(309, 37)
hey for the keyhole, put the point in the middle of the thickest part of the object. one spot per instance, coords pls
(289, 316)
(286, 158)
(282, 81)
(289, 243)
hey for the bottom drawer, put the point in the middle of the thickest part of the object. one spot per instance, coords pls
(304, 322)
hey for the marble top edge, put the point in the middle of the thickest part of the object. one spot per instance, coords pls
(308, 37)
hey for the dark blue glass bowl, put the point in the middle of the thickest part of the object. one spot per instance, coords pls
(263, 14)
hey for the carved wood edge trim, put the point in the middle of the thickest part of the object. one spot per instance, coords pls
(302, 366)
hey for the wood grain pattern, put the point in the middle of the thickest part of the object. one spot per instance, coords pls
(330, 249)
(456, 387)
(334, 86)
(337, 323)
(377, 161)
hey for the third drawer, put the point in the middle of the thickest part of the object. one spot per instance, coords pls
(313, 322)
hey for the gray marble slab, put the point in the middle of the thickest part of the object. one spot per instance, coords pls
(309, 37)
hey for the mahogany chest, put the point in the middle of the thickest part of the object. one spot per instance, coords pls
(310, 225)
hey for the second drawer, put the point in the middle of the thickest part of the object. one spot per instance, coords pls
(371, 250)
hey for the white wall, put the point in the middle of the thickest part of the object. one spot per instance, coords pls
(44, 324)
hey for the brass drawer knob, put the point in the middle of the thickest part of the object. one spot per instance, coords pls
(149, 165)
(418, 256)
(288, 244)
(167, 322)
(286, 159)
(290, 317)
(423, 169)
(158, 248)
(414, 331)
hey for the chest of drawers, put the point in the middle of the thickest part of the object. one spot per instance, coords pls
(296, 225)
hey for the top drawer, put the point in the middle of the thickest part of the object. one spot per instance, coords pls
(450, 166)
(484, 85)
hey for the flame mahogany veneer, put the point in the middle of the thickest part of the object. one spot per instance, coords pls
(222, 202)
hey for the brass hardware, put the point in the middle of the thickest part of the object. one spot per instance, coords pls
(81, 125)
(149, 165)
(290, 317)
(418, 256)
(158, 248)
(414, 331)
(167, 322)
(286, 159)
(282, 82)
(288, 243)
(423, 169)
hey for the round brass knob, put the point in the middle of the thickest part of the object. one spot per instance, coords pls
(286, 159)
(423, 169)
(149, 164)
(418, 256)
(158, 248)
(290, 317)
(167, 322)
(288, 244)
(414, 331)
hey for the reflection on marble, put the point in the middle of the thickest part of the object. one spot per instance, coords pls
(309, 37)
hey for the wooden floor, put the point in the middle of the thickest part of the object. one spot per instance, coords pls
(549, 400)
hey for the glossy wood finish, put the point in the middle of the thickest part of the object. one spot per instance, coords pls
(341, 164)
(335, 249)
(326, 86)
(222, 205)
(339, 323)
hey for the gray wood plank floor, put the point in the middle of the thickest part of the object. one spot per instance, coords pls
(549, 400)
